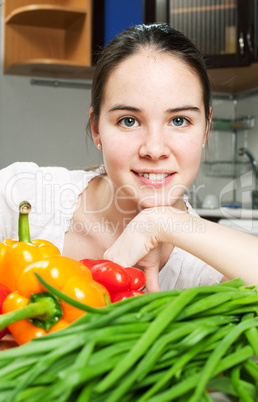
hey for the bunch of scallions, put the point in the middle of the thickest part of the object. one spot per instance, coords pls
(178, 345)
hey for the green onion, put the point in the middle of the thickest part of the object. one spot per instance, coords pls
(158, 347)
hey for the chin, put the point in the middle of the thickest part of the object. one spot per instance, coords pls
(162, 201)
(156, 203)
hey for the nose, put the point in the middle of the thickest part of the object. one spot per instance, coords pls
(154, 146)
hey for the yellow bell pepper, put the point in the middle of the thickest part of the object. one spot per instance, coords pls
(16, 255)
(30, 311)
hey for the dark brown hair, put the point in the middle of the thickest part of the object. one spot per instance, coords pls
(161, 37)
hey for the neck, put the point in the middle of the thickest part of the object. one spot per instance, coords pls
(107, 204)
(103, 203)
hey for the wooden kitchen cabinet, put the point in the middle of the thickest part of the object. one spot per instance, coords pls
(48, 38)
(234, 80)
(223, 30)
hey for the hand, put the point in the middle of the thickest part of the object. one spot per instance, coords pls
(151, 266)
(139, 244)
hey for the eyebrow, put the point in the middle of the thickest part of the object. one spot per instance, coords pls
(183, 108)
(124, 107)
(170, 110)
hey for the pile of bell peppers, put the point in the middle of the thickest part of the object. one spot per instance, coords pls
(29, 311)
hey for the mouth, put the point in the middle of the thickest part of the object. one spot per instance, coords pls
(151, 179)
(153, 176)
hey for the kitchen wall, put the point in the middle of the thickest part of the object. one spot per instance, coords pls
(221, 147)
(46, 125)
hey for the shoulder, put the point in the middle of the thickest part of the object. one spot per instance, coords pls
(16, 182)
(27, 180)
(52, 192)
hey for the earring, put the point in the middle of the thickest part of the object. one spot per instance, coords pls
(203, 145)
(99, 146)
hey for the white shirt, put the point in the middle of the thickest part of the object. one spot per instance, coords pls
(53, 193)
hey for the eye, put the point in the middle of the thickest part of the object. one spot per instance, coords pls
(180, 121)
(128, 122)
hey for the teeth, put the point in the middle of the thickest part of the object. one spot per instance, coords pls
(153, 176)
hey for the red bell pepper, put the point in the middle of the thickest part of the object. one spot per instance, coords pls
(137, 278)
(4, 292)
(115, 278)
(125, 295)
(90, 263)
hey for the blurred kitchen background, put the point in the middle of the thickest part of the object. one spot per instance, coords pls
(48, 49)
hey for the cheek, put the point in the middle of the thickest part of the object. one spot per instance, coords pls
(118, 154)
(113, 159)
(189, 155)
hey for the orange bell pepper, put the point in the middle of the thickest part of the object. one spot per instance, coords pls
(15, 255)
(19, 261)
(65, 274)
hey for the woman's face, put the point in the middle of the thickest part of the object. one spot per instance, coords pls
(152, 128)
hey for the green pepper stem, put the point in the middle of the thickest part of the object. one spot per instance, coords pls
(23, 224)
(44, 309)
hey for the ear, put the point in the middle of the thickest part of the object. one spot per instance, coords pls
(208, 126)
(94, 128)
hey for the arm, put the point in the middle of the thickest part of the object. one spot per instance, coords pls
(231, 252)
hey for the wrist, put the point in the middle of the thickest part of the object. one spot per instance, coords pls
(172, 224)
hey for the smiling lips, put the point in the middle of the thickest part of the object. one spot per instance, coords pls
(154, 176)
(154, 179)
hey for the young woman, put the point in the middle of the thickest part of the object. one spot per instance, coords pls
(150, 116)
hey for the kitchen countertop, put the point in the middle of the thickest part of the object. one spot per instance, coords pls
(228, 213)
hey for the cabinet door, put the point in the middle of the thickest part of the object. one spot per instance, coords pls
(223, 30)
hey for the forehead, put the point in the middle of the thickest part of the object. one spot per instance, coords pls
(149, 73)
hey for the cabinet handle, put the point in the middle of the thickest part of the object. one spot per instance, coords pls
(241, 43)
(249, 41)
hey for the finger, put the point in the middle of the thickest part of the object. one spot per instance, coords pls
(113, 254)
(152, 279)
(127, 251)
